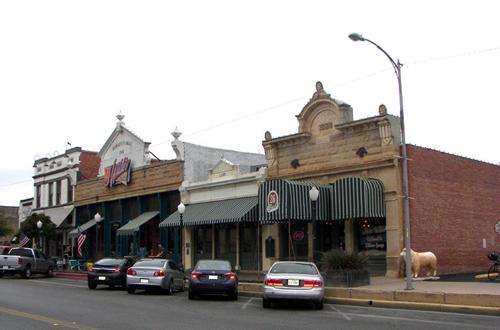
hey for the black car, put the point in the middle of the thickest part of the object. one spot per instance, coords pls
(109, 271)
(213, 277)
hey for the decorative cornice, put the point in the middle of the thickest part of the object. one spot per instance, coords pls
(288, 139)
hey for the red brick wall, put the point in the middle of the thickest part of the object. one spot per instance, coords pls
(456, 204)
(89, 164)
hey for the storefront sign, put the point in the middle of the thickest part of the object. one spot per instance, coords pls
(298, 235)
(497, 227)
(118, 173)
(273, 202)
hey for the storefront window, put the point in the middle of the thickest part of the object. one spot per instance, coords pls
(372, 237)
(330, 235)
(249, 255)
(225, 243)
(202, 236)
(294, 241)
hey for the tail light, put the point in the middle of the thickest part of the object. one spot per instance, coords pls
(230, 276)
(312, 283)
(131, 271)
(19, 261)
(159, 273)
(195, 275)
(90, 268)
(116, 270)
(273, 282)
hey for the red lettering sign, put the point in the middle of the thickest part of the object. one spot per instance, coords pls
(118, 173)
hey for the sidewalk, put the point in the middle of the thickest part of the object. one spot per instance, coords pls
(459, 297)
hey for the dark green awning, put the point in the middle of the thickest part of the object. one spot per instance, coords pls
(355, 197)
(133, 225)
(86, 226)
(283, 200)
(224, 211)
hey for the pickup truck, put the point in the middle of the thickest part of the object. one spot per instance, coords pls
(26, 262)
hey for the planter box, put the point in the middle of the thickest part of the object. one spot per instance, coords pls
(347, 278)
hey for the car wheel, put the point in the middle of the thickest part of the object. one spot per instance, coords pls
(170, 289)
(27, 272)
(131, 290)
(318, 305)
(190, 295)
(266, 303)
(50, 272)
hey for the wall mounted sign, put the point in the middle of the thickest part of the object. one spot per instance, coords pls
(273, 202)
(118, 173)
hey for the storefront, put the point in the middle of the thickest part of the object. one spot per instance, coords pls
(355, 165)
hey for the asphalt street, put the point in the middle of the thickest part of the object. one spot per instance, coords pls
(56, 303)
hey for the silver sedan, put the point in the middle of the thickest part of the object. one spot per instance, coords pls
(293, 280)
(149, 274)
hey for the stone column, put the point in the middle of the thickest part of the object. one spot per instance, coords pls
(270, 231)
(350, 241)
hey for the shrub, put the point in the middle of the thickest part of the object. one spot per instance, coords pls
(340, 260)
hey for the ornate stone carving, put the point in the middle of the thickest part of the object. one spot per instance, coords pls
(320, 92)
(267, 136)
(382, 110)
(385, 133)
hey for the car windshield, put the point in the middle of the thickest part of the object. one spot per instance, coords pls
(21, 252)
(149, 263)
(213, 265)
(109, 262)
(294, 268)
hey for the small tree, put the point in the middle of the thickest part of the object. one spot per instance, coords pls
(29, 228)
(5, 229)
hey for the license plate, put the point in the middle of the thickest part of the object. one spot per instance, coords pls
(5, 267)
(102, 278)
(293, 282)
(144, 280)
(212, 277)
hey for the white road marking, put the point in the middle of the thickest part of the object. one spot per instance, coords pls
(246, 304)
(340, 312)
(63, 284)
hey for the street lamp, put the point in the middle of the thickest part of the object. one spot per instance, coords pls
(97, 219)
(313, 195)
(39, 225)
(404, 160)
(181, 208)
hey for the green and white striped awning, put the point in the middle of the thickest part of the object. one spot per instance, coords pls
(224, 211)
(86, 226)
(356, 197)
(134, 225)
(283, 200)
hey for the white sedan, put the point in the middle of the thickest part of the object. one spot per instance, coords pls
(294, 280)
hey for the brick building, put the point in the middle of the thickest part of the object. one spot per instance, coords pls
(454, 208)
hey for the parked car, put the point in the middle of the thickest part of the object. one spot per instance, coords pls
(26, 262)
(150, 274)
(213, 277)
(4, 249)
(109, 271)
(290, 280)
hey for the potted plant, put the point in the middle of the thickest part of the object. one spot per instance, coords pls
(344, 269)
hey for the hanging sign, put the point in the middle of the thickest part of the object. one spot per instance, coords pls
(118, 173)
(273, 202)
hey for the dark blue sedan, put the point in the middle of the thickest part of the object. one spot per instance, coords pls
(213, 277)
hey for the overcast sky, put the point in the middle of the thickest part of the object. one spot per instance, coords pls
(225, 72)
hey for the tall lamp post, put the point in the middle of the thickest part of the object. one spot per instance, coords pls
(181, 208)
(404, 161)
(98, 219)
(39, 225)
(313, 195)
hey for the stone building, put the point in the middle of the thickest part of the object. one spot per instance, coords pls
(9, 217)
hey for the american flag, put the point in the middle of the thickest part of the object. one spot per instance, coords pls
(23, 240)
(81, 239)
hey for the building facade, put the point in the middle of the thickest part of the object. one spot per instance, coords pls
(54, 184)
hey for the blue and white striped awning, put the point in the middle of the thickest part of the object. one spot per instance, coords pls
(283, 200)
(217, 212)
(356, 197)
